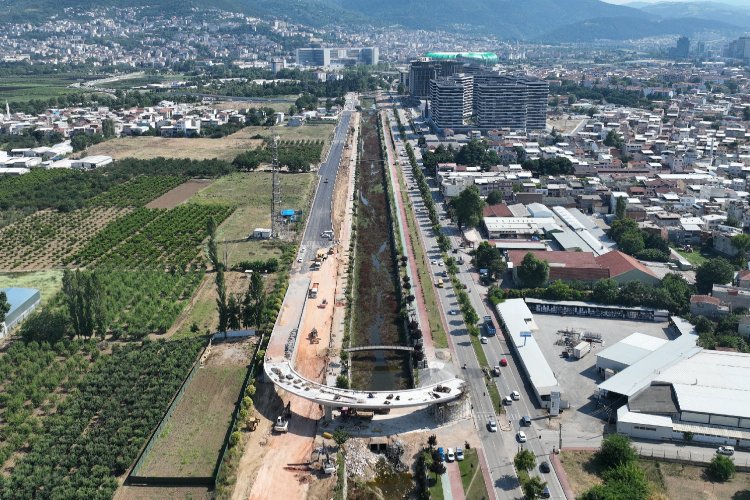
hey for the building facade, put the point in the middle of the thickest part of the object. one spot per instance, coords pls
(337, 56)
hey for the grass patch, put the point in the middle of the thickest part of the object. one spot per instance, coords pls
(435, 486)
(471, 476)
(22, 89)
(695, 257)
(497, 400)
(47, 282)
(581, 469)
(251, 194)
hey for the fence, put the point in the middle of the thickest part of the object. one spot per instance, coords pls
(134, 477)
(687, 456)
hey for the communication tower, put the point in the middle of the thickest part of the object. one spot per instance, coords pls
(276, 222)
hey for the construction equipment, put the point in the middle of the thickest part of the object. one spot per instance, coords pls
(252, 423)
(355, 413)
(329, 464)
(314, 339)
(282, 421)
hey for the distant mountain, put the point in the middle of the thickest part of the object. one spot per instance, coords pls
(715, 11)
(625, 28)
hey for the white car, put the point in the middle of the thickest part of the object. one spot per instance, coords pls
(507, 400)
(299, 260)
(492, 425)
(515, 395)
(459, 453)
(450, 456)
(521, 437)
(440, 263)
(483, 340)
(453, 312)
(725, 450)
(433, 262)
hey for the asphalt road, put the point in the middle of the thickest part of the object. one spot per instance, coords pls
(500, 447)
(319, 218)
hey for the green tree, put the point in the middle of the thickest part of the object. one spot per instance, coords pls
(533, 488)
(213, 252)
(524, 460)
(82, 293)
(108, 128)
(713, 271)
(432, 441)
(45, 325)
(614, 140)
(221, 301)
(721, 468)
(468, 207)
(616, 450)
(605, 291)
(494, 198)
(742, 243)
(533, 272)
(621, 226)
(234, 312)
(254, 303)
(340, 436)
(628, 479)
(631, 242)
(342, 382)
(620, 207)
(491, 258)
(4, 306)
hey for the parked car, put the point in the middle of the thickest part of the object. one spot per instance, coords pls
(451, 456)
(725, 450)
(492, 425)
(453, 312)
(544, 467)
(545, 492)
(459, 453)
(515, 395)
(441, 454)
(521, 436)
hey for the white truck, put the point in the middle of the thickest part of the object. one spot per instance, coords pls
(581, 350)
(313, 293)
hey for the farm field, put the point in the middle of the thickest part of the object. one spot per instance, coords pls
(672, 480)
(47, 282)
(251, 194)
(96, 433)
(191, 440)
(21, 89)
(137, 191)
(179, 194)
(225, 148)
(47, 238)
(277, 106)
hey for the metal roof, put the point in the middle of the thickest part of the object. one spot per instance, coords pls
(517, 319)
(632, 349)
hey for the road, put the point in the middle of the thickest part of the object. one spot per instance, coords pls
(319, 218)
(500, 447)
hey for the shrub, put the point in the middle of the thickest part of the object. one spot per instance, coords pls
(721, 468)
(616, 450)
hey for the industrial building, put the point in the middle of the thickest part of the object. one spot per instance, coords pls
(337, 56)
(518, 322)
(22, 301)
(91, 162)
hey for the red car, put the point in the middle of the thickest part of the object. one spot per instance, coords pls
(503, 362)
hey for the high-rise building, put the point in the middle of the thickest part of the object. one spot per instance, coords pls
(420, 74)
(451, 100)
(338, 56)
(500, 102)
(681, 50)
(537, 92)
(739, 49)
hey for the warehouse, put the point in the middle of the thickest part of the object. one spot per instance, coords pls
(627, 352)
(22, 301)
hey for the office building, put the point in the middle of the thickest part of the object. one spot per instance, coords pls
(681, 50)
(451, 100)
(337, 56)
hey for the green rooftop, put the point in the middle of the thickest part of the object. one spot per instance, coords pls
(481, 57)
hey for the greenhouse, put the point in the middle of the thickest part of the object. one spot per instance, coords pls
(22, 301)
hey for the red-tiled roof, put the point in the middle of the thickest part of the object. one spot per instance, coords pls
(704, 299)
(619, 263)
(499, 210)
(568, 259)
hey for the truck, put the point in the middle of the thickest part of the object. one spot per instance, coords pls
(356, 413)
(581, 350)
(489, 326)
(313, 290)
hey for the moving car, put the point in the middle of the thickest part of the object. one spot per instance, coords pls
(544, 467)
(451, 456)
(503, 362)
(526, 421)
(492, 425)
(725, 450)
(459, 453)
(507, 400)
(521, 437)
(483, 340)
(515, 395)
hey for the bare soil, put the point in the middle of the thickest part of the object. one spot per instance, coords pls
(191, 441)
(155, 493)
(179, 194)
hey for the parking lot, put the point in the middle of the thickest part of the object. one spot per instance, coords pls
(578, 378)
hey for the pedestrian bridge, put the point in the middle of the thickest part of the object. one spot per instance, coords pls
(285, 377)
(379, 348)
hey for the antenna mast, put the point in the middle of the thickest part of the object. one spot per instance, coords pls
(275, 192)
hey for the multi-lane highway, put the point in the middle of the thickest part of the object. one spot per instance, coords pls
(499, 447)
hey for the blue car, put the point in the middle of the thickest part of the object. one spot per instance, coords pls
(441, 454)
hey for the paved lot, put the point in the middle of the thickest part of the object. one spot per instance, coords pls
(578, 378)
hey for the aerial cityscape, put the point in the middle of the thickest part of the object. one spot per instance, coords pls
(331, 249)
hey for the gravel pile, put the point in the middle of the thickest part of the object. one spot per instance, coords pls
(359, 459)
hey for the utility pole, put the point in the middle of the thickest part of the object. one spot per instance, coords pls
(275, 191)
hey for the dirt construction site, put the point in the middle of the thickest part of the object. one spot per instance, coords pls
(262, 474)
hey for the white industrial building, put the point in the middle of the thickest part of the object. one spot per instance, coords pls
(517, 320)
(680, 388)
(91, 162)
(627, 352)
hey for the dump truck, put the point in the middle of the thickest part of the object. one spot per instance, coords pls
(581, 350)
(489, 326)
(313, 290)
